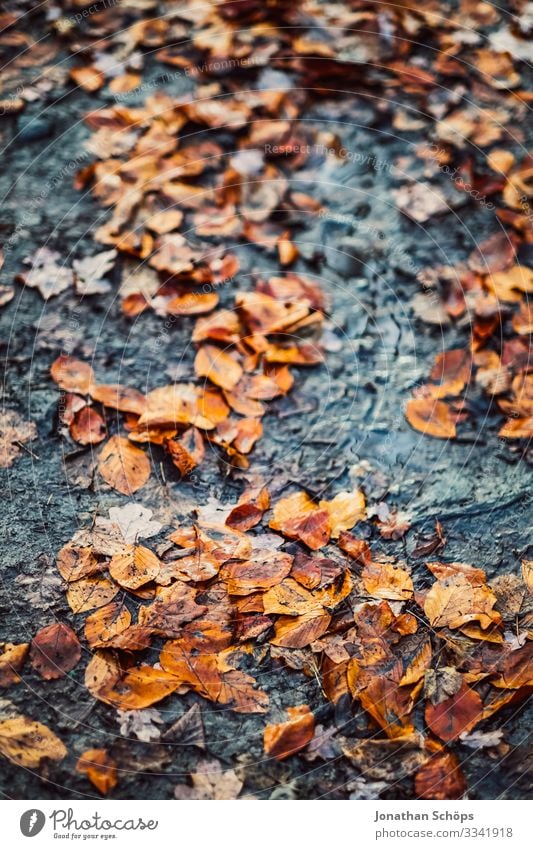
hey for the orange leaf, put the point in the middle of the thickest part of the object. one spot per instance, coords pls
(383, 580)
(134, 566)
(123, 466)
(72, 375)
(433, 418)
(287, 738)
(88, 427)
(218, 366)
(106, 623)
(298, 517)
(100, 769)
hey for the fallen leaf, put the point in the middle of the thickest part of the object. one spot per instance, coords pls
(12, 659)
(14, 433)
(27, 742)
(123, 466)
(88, 593)
(218, 366)
(134, 566)
(288, 738)
(441, 778)
(100, 769)
(210, 782)
(432, 418)
(55, 650)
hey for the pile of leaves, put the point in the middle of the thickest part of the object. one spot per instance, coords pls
(242, 360)
(427, 663)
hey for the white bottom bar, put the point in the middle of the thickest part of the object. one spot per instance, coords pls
(288, 825)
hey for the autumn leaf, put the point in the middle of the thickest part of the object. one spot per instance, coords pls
(441, 778)
(385, 580)
(131, 689)
(27, 742)
(296, 632)
(88, 427)
(210, 782)
(134, 566)
(106, 623)
(432, 418)
(88, 593)
(100, 769)
(298, 517)
(12, 657)
(218, 366)
(55, 650)
(455, 601)
(123, 466)
(287, 738)
(450, 717)
(267, 569)
(345, 510)
(14, 433)
(72, 375)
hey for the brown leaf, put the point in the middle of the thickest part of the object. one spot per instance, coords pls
(188, 730)
(453, 716)
(296, 632)
(287, 738)
(88, 427)
(132, 689)
(173, 607)
(106, 623)
(55, 650)
(14, 433)
(187, 451)
(454, 601)
(118, 397)
(74, 563)
(267, 569)
(123, 466)
(72, 375)
(345, 510)
(440, 778)
(88, 78)
(210, 782)
(298, 517)
(384, 580)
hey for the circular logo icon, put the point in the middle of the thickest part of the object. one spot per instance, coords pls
(32, 822)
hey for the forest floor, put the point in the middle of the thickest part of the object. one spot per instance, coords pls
(341, 427)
